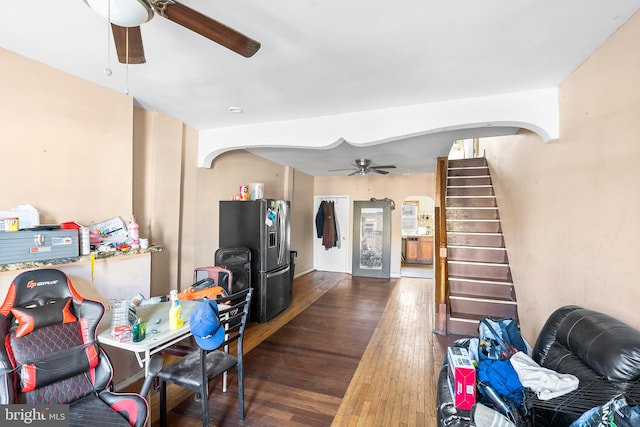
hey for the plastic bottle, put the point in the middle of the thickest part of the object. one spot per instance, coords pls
(175, 321)
(134, 303)
(154, 300)
(134, 233)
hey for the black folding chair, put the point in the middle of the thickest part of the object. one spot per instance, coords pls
(196, 369)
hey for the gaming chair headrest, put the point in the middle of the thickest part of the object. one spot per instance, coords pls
(38, 287)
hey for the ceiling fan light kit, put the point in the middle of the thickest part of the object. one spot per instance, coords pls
(125, 13)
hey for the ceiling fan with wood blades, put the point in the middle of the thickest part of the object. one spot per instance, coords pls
(126, 16)
(364, 167)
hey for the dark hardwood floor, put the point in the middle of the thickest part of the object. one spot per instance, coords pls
(349, 351)
(310, 359)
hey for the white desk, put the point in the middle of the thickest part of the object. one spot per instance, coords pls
(153, 342)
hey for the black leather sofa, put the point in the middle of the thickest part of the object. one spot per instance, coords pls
(603, 352)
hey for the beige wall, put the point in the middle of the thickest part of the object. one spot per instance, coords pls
(157, 197)
(570, 208)
(66, 144)
(302, 220)
(395, 187)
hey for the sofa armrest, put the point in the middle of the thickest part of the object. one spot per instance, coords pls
(547, 335)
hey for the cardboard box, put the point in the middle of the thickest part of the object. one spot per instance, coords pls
(462, 377)
(23, 246)
(113, 231)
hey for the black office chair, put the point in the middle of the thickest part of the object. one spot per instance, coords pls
(196, 369)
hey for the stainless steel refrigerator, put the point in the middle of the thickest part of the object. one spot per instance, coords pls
(263, 227)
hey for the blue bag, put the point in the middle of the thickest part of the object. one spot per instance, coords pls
(498, 339)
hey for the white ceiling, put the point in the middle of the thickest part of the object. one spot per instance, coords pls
(323, 58)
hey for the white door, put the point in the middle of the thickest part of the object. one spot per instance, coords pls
(337, 258)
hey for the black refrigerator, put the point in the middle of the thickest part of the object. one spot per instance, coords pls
(263, 227)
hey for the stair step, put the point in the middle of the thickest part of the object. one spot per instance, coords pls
(483, 281)
(475, 239)
(491, 308)
(466, 324)
(481, 288)
(470, 190)
(481, 299)
(464, 212)
(468, 171)
(478, 270)
(506, 281)
(461, 324)
(477, 254)
(474, 226)
(461, 186)
(470, 201)
(470, 162)
(457, 181)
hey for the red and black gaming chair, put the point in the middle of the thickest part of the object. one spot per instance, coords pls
(51, 354)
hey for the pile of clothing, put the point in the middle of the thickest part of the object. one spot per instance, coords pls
(505, 370)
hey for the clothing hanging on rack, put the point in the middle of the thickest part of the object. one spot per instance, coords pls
(320, 220)
(326, 224)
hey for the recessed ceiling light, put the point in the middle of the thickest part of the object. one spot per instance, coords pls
(235, 110)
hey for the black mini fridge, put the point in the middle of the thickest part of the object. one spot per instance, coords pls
(262, 226)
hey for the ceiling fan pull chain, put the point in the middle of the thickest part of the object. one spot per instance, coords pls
(107, 70)
(126, 90)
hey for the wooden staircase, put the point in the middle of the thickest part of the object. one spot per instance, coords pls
(479, 276)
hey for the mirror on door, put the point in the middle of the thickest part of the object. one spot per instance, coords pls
(371, 253)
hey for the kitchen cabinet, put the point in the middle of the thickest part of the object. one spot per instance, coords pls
(418, 249)
(426, 248)
(411, 249)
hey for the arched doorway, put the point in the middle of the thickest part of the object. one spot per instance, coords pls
(417, 237)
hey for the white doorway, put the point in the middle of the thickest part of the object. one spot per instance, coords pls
(336, 259)
(418, 236)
